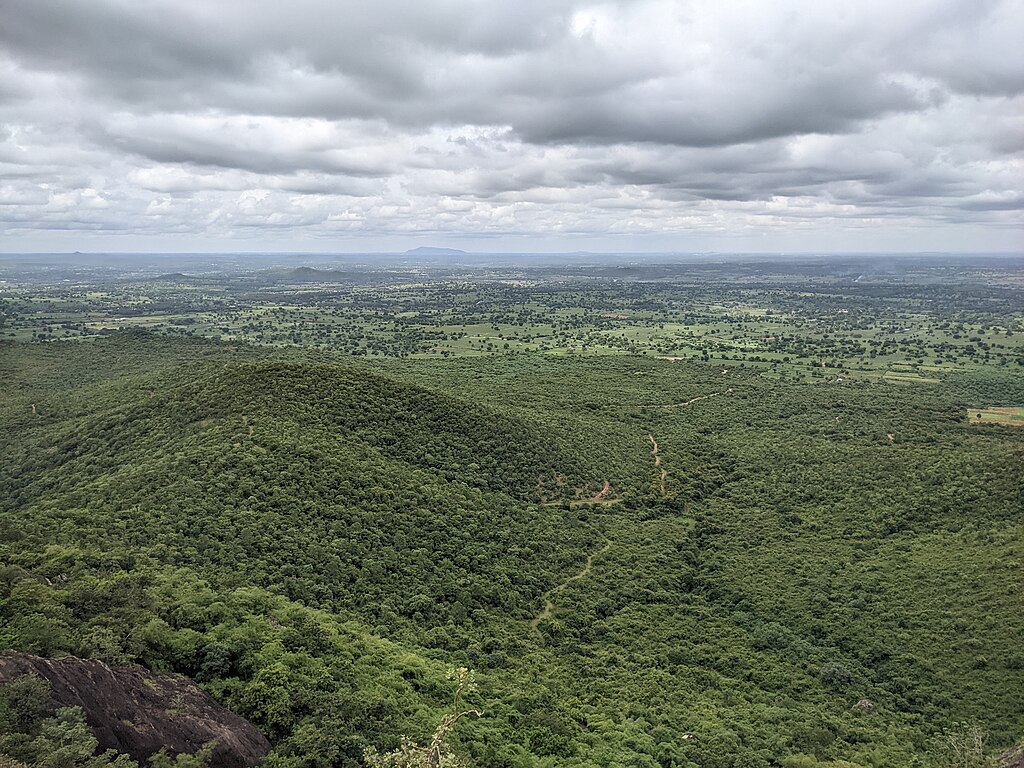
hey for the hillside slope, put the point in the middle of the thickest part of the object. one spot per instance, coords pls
(316, 542)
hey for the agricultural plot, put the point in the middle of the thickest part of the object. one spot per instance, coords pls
(1011, 416)
(911, 330)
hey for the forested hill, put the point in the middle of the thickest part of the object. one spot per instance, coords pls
(649, 563)
(334, 485)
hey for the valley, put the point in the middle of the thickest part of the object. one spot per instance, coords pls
(688, 515)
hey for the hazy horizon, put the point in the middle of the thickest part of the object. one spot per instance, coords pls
(451, 251)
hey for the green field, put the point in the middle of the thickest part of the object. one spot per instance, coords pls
(1004, 415)
(781, 323)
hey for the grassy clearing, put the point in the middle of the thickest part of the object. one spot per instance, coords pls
(1011, 415)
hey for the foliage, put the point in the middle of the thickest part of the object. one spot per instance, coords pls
(200, 759)
(317, 537)
(965, 746)
(60, 741)
(436, 753)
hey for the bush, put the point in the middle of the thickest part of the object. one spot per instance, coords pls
(835, 675)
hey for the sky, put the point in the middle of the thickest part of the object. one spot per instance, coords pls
(534, 125)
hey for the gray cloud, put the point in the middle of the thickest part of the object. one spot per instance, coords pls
(315, 119)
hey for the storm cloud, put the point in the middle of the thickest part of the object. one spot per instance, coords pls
(325, 125)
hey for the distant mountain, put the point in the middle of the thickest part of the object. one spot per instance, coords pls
(424, 250)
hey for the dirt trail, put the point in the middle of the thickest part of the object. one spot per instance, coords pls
(33, 407)
(654, 449)
(690, 402)
(671, 406)
(657, 462)
(549, 606)
(599, 498)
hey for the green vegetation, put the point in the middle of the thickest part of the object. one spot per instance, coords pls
(437, 753)
(33, 734)
(1005, 415)
(793, 319)
(739, 558)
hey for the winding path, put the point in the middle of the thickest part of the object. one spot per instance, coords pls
(688, 402)
(549, 606)
(671, 406)
(657, 461)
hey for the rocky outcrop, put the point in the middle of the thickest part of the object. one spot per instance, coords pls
(1012, 758)
(134, 711)
(864, 705)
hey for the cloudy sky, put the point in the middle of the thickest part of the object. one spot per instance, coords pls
(324, 125)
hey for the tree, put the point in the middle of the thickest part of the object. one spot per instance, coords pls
(436, 754)
(965, 746)
(65, 741)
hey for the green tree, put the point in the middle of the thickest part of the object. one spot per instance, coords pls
(436, 754)
(65, 741)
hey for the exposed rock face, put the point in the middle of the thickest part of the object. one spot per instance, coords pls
(137, 712)
(1012, 758)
